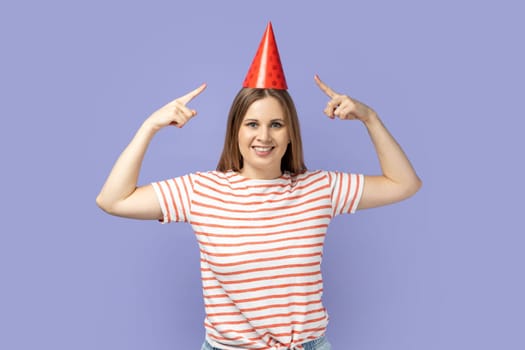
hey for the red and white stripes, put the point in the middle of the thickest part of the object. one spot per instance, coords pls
(261, 244)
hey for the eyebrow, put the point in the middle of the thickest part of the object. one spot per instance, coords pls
(256, 120)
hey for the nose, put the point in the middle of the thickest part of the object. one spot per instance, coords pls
(264, 135)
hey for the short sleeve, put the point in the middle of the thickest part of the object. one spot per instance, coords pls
(346, 190)
(174, 196)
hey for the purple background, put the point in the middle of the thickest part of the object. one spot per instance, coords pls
(443, 270)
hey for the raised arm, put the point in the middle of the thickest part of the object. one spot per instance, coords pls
(120, 195)
(398, 180)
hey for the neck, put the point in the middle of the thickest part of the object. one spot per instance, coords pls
(260, 174)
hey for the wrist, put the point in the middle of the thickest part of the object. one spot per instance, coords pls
(149, 128)
(372, 119)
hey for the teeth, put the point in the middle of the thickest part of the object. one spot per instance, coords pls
(262, 149)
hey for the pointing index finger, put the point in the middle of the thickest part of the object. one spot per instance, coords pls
(192, 94)
(326, 89)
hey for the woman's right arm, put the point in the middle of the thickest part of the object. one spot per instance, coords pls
(120, 194)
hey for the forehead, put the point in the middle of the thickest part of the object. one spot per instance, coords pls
(265, 108)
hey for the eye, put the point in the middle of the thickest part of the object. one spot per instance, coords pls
(277, 125)
(251, 124)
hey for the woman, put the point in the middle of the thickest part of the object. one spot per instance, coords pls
(260, 219)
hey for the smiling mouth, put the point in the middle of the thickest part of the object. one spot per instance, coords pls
(262, 151)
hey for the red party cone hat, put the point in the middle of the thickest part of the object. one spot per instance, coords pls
(266, 71)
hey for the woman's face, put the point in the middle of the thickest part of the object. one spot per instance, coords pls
(263, 139)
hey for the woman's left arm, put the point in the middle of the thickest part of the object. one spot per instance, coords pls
(399, 179)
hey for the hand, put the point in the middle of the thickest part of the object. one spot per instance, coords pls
(342, 106)
(176, 112)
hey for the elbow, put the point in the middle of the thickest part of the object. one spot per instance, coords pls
(414, 186)
(103, 204)
(407, 189)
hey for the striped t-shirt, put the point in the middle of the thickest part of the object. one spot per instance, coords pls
(261, 246)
